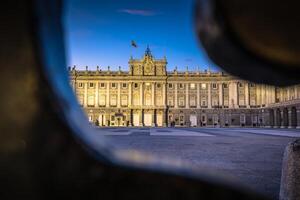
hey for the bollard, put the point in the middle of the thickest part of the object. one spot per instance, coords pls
(290, 177)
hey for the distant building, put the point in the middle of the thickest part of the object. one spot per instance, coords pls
(148, 95)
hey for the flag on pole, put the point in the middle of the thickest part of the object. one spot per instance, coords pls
(133, 44)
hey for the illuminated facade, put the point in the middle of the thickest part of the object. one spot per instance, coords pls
(148, 95)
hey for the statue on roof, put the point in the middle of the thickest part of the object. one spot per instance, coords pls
(148, 52)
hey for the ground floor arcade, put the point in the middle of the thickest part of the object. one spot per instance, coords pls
(277, 117)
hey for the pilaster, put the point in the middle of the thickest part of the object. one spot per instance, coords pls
(220, 94)
(97, 95)
(107, 94)
(187, 95)
(85, 94)
(176, 96)
(208, 95)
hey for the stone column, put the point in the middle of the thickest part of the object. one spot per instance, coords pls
(236, 96)
(220, 94)
(107, 118)
(141, 94)
(281, 94)
(119, 95)
(154, 124)
(233, 95)
(298, 118)
(296, 91)
(153, 94)
(130, 117)
(198, 95)
(107, 94)
(290, 120)
(176, 98)
(142, 117)
(164, 94)
(165, 116)
(97, 95)
(130, 94)
(85, 94)
(208, 95)
(247, 95)
(187, 95)
(258, 95)
(263, 94)
(282, 118)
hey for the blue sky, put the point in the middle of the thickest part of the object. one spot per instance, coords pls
(100, 33)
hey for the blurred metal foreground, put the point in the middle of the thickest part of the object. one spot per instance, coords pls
(256, 40)
(48, 150)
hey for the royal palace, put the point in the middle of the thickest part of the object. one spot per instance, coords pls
(149, 95)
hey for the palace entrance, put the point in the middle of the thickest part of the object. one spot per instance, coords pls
(193, 120)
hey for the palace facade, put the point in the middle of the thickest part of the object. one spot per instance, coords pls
(149, 95)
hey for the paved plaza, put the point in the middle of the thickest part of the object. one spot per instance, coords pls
(252, 156)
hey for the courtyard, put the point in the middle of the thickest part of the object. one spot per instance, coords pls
(250, 156)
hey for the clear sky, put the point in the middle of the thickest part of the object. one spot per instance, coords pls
(99, 32)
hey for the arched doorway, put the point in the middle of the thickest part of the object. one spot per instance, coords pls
(193, 120)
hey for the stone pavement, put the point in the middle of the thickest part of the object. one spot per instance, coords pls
(251, 156)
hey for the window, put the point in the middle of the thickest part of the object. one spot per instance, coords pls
(214, 86)
(181, 118)
(203, 86)
(158, 85)
(181, 85)
(80, 85)
(102, 85)
(252, 85)
(102, 100)
(170, 85)
(225, 85)
(113, 100)
(241, 85)
(193, 101)
(242, 118)
(124, 85)
(203, 103)
(181, 101)
(215, 119)
(112, 118)
(124, 100)
(80, 99)
(148, 99)
(170, 101)
(113, 85)
(136, 99)
(136, 85)
(91, 85)
(192, 85)
(159, 100)
(91, 100)
(215, 102)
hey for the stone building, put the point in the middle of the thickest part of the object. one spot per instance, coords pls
(149, 95)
